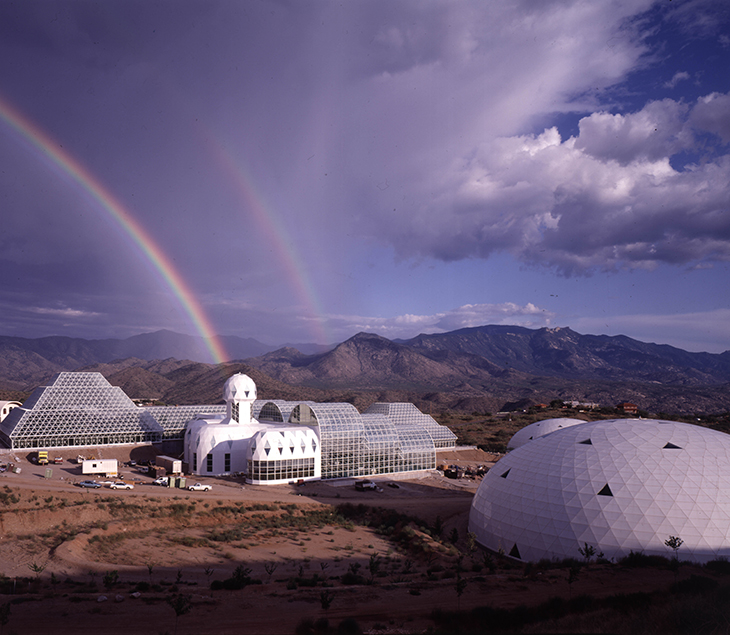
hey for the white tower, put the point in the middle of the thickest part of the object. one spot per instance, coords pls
(239, 394)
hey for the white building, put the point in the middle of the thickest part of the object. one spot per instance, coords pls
(236, 442)
(618, 486)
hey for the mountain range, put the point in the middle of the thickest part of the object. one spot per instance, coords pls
(481, 368)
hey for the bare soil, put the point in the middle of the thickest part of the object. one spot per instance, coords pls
(110, 561)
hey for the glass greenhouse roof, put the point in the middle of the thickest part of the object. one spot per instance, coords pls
(78, 409)
(173, 419)
(407, 413)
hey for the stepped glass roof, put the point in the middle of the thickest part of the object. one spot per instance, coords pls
(408, 414)
(78, 409)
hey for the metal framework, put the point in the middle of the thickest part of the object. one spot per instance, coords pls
(407, 414)
(78, 409)
(173, 419)
(355, 444)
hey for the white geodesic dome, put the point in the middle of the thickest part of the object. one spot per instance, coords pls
(619, 485)
(540, 429)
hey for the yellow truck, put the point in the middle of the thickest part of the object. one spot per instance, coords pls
(43, 457)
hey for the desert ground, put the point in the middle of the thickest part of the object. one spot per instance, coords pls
(319, 557)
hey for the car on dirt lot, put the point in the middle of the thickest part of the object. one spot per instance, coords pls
(121, 485)
(163, 481)
(89, 484)
(199, 487)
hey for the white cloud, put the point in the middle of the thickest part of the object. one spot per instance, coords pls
(608, 198)
(466, 316)
(678, 77)
(65, 312)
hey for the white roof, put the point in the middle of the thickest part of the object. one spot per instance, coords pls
(619, 485)
(540, 429)
(239, 387)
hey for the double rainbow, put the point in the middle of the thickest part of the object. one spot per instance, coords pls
(109, 203)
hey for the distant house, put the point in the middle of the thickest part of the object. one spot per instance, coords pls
(628, 408)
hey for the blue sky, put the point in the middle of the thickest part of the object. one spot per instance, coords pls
(315, 169)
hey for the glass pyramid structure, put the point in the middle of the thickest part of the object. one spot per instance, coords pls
(78, 409)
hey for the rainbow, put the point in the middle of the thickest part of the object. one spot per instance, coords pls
(150, 249)
(275, 235)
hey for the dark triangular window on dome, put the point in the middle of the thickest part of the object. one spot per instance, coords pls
(586, 442)
(530, 438)
(671, 446)
(515, 552)
(505, 474)
(606, 491)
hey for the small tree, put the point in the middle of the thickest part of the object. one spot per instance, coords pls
(460, 588)
(674, 543)
(110, 579)
(37, 568)
(454, 535)
(181, 604)
(438, 527)
(270, 567)
(374, 566)
(471, 539)
(588, 551)
(325, 599)
(572, 577)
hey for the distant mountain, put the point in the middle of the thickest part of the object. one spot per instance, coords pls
(23, 361)
(475, 369)
(371, 361)
(561, 352)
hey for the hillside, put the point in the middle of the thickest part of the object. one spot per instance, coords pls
(489, 368)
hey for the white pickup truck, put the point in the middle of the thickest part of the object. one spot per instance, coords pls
(199, 487)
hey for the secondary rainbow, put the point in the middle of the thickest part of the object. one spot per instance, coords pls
(108, 202)
(275, 234)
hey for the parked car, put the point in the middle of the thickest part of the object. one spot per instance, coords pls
(89, 484)
(121, 485)
(362, 486)
(199, 487)
(163, 480)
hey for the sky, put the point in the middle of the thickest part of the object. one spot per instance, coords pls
(300, 171)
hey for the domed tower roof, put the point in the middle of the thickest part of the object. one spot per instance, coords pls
(239, 387)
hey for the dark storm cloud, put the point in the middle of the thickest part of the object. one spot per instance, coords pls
(273, 150)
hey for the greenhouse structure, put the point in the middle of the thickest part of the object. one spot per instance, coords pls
(268, 440)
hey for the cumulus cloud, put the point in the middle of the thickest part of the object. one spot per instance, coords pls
(609, 198)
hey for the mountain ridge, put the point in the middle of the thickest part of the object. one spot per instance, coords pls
(482, 368)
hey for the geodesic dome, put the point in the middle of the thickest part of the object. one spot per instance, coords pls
(540, 429)
(239, 387)
(619, 485)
